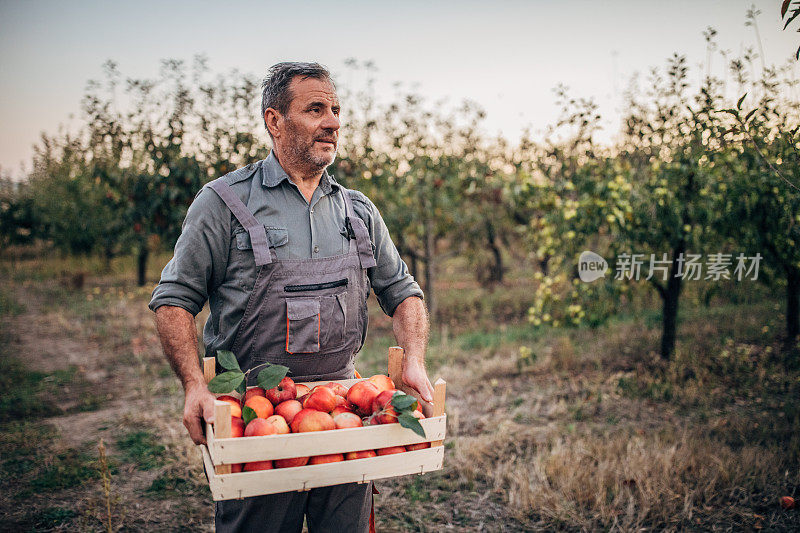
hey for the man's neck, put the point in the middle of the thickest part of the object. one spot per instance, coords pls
(306, 179)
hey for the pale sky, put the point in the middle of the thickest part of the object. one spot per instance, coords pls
(506, 55)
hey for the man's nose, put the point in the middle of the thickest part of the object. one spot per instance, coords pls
(331, 121)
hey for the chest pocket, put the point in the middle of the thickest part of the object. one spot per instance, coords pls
(277, 237)
(242, 269)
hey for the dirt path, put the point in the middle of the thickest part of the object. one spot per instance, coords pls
(114, 385)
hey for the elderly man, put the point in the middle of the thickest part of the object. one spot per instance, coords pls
(286, 257)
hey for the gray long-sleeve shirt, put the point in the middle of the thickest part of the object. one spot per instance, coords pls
(208, 261)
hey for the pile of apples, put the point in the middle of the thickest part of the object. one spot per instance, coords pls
(294, 408)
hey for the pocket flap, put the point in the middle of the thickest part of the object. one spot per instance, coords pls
(277, 237)
(300, 308)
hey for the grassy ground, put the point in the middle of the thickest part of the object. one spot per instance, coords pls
(547, 429)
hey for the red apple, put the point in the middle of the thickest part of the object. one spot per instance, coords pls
(235, 469)
(382, 382)
(236, 406)
(260, 405)
(258, 465)
(289, 463)
(420, 446)
(312, 421)
(254, 391)
(237, 427)
(390, 450)
(347, 420)
(337, 388)
(280, 424)
(339, 409)
(385, 413)
(364, 454)
(288, 409)
(322, 459)
(297, 418)
(285, 390)
(259, 427)
(301, 390)
(321, 399)
(361, 395)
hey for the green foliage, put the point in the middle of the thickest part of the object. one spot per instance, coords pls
(226, 382)
(53, 517)
(143, 449)
(790, 15)
(18, 221)
(271, 376)
(248, 414)
(227, 360)
(64, 470)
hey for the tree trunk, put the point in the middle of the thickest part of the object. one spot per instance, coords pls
(544, 265)
(792, 304)
(430, 265)
(413, 265)
(496, 275)
(141, 264)
(669, 314)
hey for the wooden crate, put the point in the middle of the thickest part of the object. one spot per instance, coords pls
(223, 451)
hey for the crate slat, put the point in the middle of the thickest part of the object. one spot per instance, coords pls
(270, 447)
(246, 484)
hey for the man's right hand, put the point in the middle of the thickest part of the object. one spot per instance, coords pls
(198, 409)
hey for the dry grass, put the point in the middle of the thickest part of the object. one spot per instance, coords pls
(551, 429)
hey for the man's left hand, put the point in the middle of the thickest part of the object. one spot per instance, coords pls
(414, 376)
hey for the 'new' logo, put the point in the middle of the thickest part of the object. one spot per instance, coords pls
(591, 266)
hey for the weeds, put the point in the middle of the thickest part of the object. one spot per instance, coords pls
(143, 449)
(108, 497)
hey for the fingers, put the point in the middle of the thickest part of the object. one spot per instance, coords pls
(424, 387)
(208, 409)
(197, 411)
(192, 423)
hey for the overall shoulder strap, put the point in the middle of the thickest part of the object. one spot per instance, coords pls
(356, 229)
(258, 235)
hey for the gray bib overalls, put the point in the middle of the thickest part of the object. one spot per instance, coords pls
(311, 316)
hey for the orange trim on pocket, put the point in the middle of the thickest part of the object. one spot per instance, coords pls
(287, 333)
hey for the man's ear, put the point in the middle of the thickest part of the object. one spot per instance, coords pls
(274, 121)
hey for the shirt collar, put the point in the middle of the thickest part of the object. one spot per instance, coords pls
(272, 174)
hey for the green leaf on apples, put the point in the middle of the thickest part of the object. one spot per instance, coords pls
(248, 414)
(241, 388)
(411, 422)
(404, 402)
(225, 382)
(227, 360)
(271, 376)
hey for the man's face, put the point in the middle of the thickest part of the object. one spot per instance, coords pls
(310, 128)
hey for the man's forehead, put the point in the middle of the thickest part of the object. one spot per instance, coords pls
(310, 89)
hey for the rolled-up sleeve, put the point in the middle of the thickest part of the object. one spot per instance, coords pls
(201, 255)
(390, 279)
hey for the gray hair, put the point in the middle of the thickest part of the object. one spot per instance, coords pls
(275, 92)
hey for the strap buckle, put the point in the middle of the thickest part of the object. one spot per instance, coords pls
(349, 227)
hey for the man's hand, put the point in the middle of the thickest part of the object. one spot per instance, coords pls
(410, 324)
(178, 335)
(414, 376)
(198, 409)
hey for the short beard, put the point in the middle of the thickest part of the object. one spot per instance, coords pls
(302, 153)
